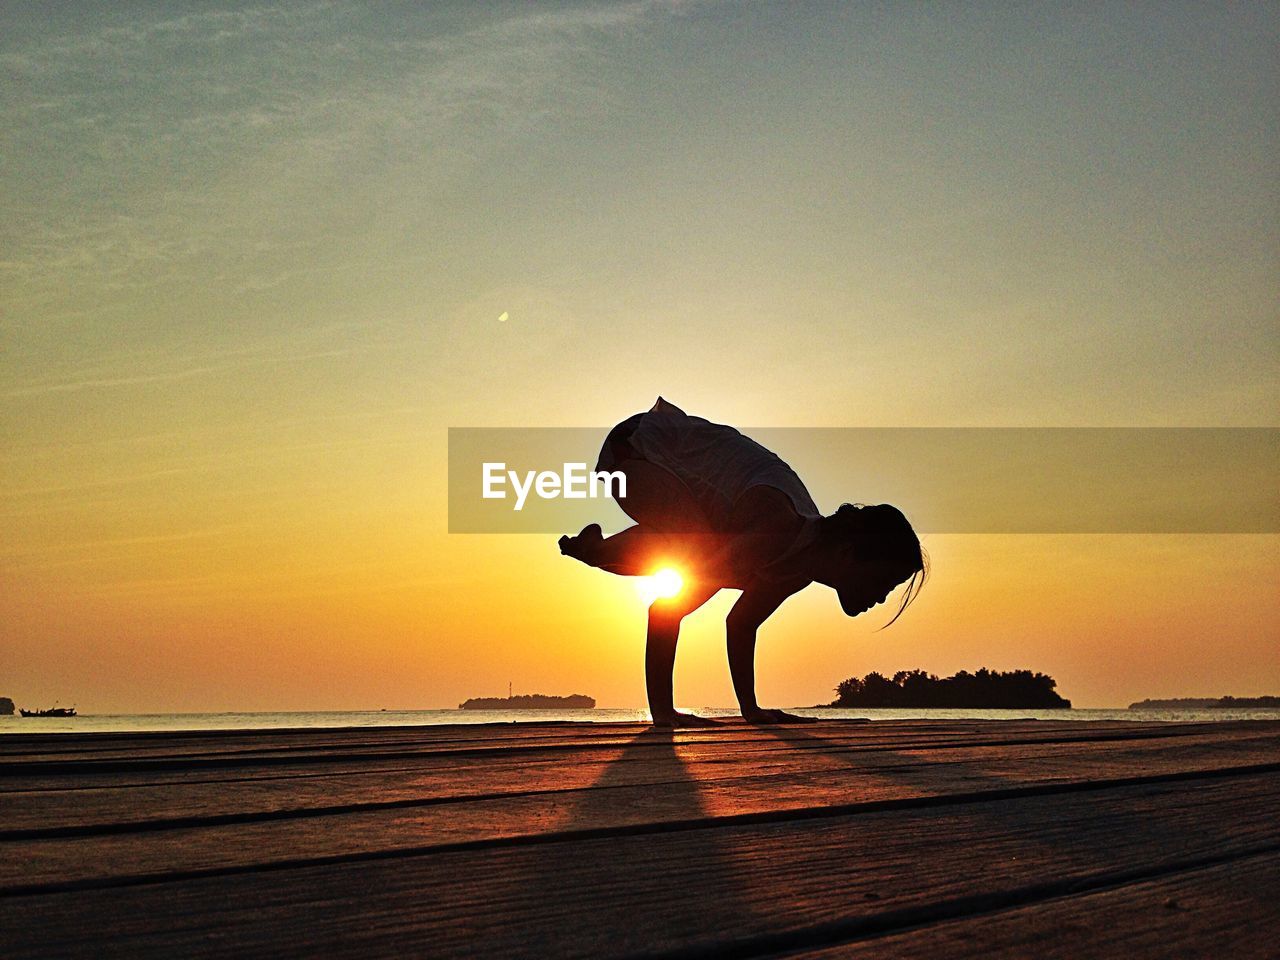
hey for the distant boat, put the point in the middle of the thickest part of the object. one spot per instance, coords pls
(51, 712)
(532, 701)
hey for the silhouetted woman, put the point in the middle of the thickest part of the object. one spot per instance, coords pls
(727, 513)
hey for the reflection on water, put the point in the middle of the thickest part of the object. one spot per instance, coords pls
(116, 723)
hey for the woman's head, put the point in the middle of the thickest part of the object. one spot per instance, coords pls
(870, 550)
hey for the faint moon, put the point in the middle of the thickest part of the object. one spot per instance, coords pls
(503, 318)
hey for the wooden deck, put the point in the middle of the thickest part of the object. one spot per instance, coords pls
(891, 839)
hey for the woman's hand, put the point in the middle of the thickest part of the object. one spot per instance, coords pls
(762, 716)
(677, 720)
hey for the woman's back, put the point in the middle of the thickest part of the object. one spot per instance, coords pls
(714, 461)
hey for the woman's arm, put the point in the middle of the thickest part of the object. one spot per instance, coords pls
(757, 603)
(660, 654)
(762, 526)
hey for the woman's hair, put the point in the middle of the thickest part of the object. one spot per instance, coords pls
(881, 534)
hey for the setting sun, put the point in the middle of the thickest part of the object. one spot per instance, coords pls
(663, 585)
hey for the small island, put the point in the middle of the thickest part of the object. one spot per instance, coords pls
(1209, 703)
(530, 701)
(6, 707)
(983, 690)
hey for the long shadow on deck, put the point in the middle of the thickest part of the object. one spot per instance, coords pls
(628, 884)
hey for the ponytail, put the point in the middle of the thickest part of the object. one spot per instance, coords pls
(880, 534)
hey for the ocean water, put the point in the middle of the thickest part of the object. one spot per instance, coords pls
(122, 722)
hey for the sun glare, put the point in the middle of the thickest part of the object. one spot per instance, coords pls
(663, 585)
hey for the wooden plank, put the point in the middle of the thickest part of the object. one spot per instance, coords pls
(132, 742)
(195, 741)
(29, 775)
(81, 754)
(425, 781)
(748, 886)
(244, 843)
(268, 744)
(1228, 910)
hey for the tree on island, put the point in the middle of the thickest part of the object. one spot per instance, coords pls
(985, 689)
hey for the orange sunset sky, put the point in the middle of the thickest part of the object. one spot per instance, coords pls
(254, 257)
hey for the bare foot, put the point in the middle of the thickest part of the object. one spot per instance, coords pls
(678, 720)
(775, 716)
(584, 544)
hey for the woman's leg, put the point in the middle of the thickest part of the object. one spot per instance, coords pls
(669, 526)
(659, 500)
(630, 553)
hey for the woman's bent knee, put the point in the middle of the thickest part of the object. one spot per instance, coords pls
(658, 499)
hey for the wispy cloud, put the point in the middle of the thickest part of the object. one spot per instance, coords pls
(174, 369)
(165, 469)
(220, 140)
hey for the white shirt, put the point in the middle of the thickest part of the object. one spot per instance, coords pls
(716, 462)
